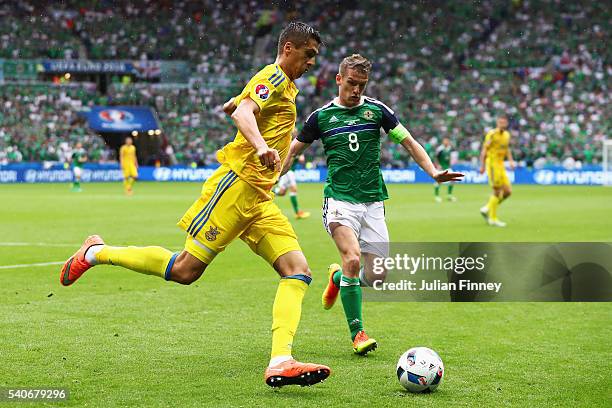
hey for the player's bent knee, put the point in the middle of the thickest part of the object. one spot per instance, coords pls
(352, 265)
(185, 276)
(185, 270)
(292, 263)
(351, 255)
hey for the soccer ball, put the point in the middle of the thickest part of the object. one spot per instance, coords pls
(420, 370)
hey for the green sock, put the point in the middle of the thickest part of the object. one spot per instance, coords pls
(437, 190)
(294, 203)
(450, 189)
(350, 292)
(76, 184)
(337, 276)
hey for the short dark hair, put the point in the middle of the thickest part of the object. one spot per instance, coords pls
(355, 61)
(297, 33)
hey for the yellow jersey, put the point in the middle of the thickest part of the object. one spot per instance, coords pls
(127, 155)
(499, 142)
(275, 95)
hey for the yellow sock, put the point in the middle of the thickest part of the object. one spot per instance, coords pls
(151, 260)
(130, 182)
(286, 313)
(126, 184)
(493, 203)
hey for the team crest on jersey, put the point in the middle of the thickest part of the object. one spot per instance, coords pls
(212, 233)
(368, 114)
(262, 91)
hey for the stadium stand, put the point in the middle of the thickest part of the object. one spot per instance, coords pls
(545, 63)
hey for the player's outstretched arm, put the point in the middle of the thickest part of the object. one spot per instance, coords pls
(421, 157)
(244, 118)
(295, 151)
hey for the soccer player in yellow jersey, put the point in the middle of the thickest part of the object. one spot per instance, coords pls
(129, 164)
(236, 202)
(495, 149)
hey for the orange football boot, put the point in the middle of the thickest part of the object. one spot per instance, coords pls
(300, 215)
(331, 291)
(293, 372)
(362, 344)
(76, 265)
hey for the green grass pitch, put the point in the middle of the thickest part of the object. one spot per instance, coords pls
(118, 338)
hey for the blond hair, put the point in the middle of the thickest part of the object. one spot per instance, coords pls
(355, 61)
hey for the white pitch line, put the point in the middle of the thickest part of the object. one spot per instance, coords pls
(12, 244)
(44, 244)
(30, 265)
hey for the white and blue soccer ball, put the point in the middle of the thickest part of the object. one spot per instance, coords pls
(420, 369)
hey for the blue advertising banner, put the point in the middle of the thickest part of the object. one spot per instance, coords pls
(122, 118)
(36, 173)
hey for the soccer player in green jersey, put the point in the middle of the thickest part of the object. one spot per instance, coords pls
(353, 211)
(79, 157)
(442, 160)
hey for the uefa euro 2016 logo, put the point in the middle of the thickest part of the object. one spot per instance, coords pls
(116, 116)
(262, 91)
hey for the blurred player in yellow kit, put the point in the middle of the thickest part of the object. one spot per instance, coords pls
(495, 149)
(129, 164)
(236, 202)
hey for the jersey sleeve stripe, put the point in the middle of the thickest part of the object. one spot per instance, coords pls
(276, 82)
(275, 75)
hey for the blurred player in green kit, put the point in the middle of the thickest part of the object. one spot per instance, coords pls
(442, 160)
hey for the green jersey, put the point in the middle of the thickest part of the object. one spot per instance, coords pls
(78, 157)
(351, 139)
(443, 155)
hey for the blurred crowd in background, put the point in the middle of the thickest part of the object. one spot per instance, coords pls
(446, 68)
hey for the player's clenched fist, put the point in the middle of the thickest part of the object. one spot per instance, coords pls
(269, 158)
